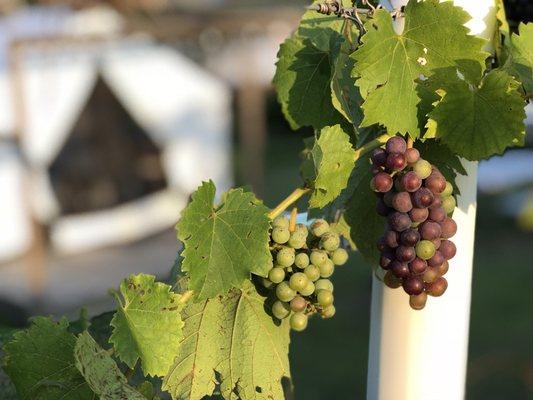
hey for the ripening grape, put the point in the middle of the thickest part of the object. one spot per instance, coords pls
(326, 269)
(413, 285)
(436, 243)
(312, 272)
(285, 257)
(405, 254)
(276, 274)
(396, 144)
(298, 304)
(396, 162)
(402, 202)
(437, 203)
(328, 312)
(436, 183)
(280, 235)
(297, 240)
(429, 230)
(330, 241)
(425, 249)
(399, 221)
(418, 302)
(280, 309)
(437, 287)
(391, 280)
(437, 214)
(443, 268)
(448, 228)
(422, 168)
(419, 214)
(391, 239)
(339, 256)
(379, 157)
(324, 297)
(298, 281)
(284, 292)
(410, 237)
(301, 229)
(318, 257)
(437, 259)
(319, 227)
(448, 203)
(400, 269)
(381, 245)
(308, 290)
(281, 222)
(412, 155)
(418, 266)
(324, 284)
(422, 198)
(301, 260)
(430, 274)
(385, 260)
(298, 321)
(448, 249)
(411, 181)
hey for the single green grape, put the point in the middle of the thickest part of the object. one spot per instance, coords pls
(284, 292)
(298, 304)
(308, 290)
(276, 274)
(281, 221)
(280, 309)
(324, 284)
(312, 272)
(298, 321)
(280, 235)
(267, 283)
(328, 312)
(422, 168)
(301, 229)
(326, 269)
(298, 281)
(297, 240)
(285, 257)
(330, 241)
(339, 256)
(448, 203)
(425, 249)
(318, 257)
(448, 190)
(324, 297)
(319, 227)
(301, 260)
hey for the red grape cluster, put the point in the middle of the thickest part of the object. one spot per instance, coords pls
(418, 203)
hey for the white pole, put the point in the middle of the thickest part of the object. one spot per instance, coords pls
(421, 355)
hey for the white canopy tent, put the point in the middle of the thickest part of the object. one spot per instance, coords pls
(183, 109)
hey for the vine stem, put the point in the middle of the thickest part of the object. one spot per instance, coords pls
(185, 297)
(292, 222)
(370, 146)
(291, 198)
(410, 142)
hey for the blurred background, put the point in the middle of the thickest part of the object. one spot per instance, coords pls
(111, 114)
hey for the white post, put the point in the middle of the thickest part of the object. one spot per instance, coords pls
(422, 355)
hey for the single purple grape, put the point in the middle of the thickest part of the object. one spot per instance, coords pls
(391, 239)
(437, 203)
(396, 161)
(410, 237)
(399, 221)
(419, 214)
(379, 157)
(402, 202)
(437, 214)
(437, 287)
(381, 182)
(448, 249)
(417, 266)
(437, 260)
(429, 230)
(399, 269)
(412, 155)
(413, 285)
(396, 144)
(385, 260)
(422, 198)
(411, 182)
(405, 254)
(449, 228)
(436, 183)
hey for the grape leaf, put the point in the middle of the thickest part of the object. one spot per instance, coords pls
(225, 243)
(521, 59)
(478, 122)
(333, 158)
(7, 389)
(40, 362)
(100, 329)
(387, 64)
(366, 226)
(101, 372)
(147, 324)
(231, 342)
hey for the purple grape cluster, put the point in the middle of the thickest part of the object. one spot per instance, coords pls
(418, 203)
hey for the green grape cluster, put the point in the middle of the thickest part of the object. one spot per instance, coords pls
(304, 260)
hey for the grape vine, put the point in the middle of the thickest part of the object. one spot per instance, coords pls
(397, 99)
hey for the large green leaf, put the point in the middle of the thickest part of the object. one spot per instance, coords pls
(224, 243)
(477, 122)
(40, 362)
(101, 372)
(333, 157)
(231, 342)
(366, 226)
(387, 64)
(7, 389)
(147, 324)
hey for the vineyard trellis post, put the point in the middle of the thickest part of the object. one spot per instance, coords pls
(411, 351)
